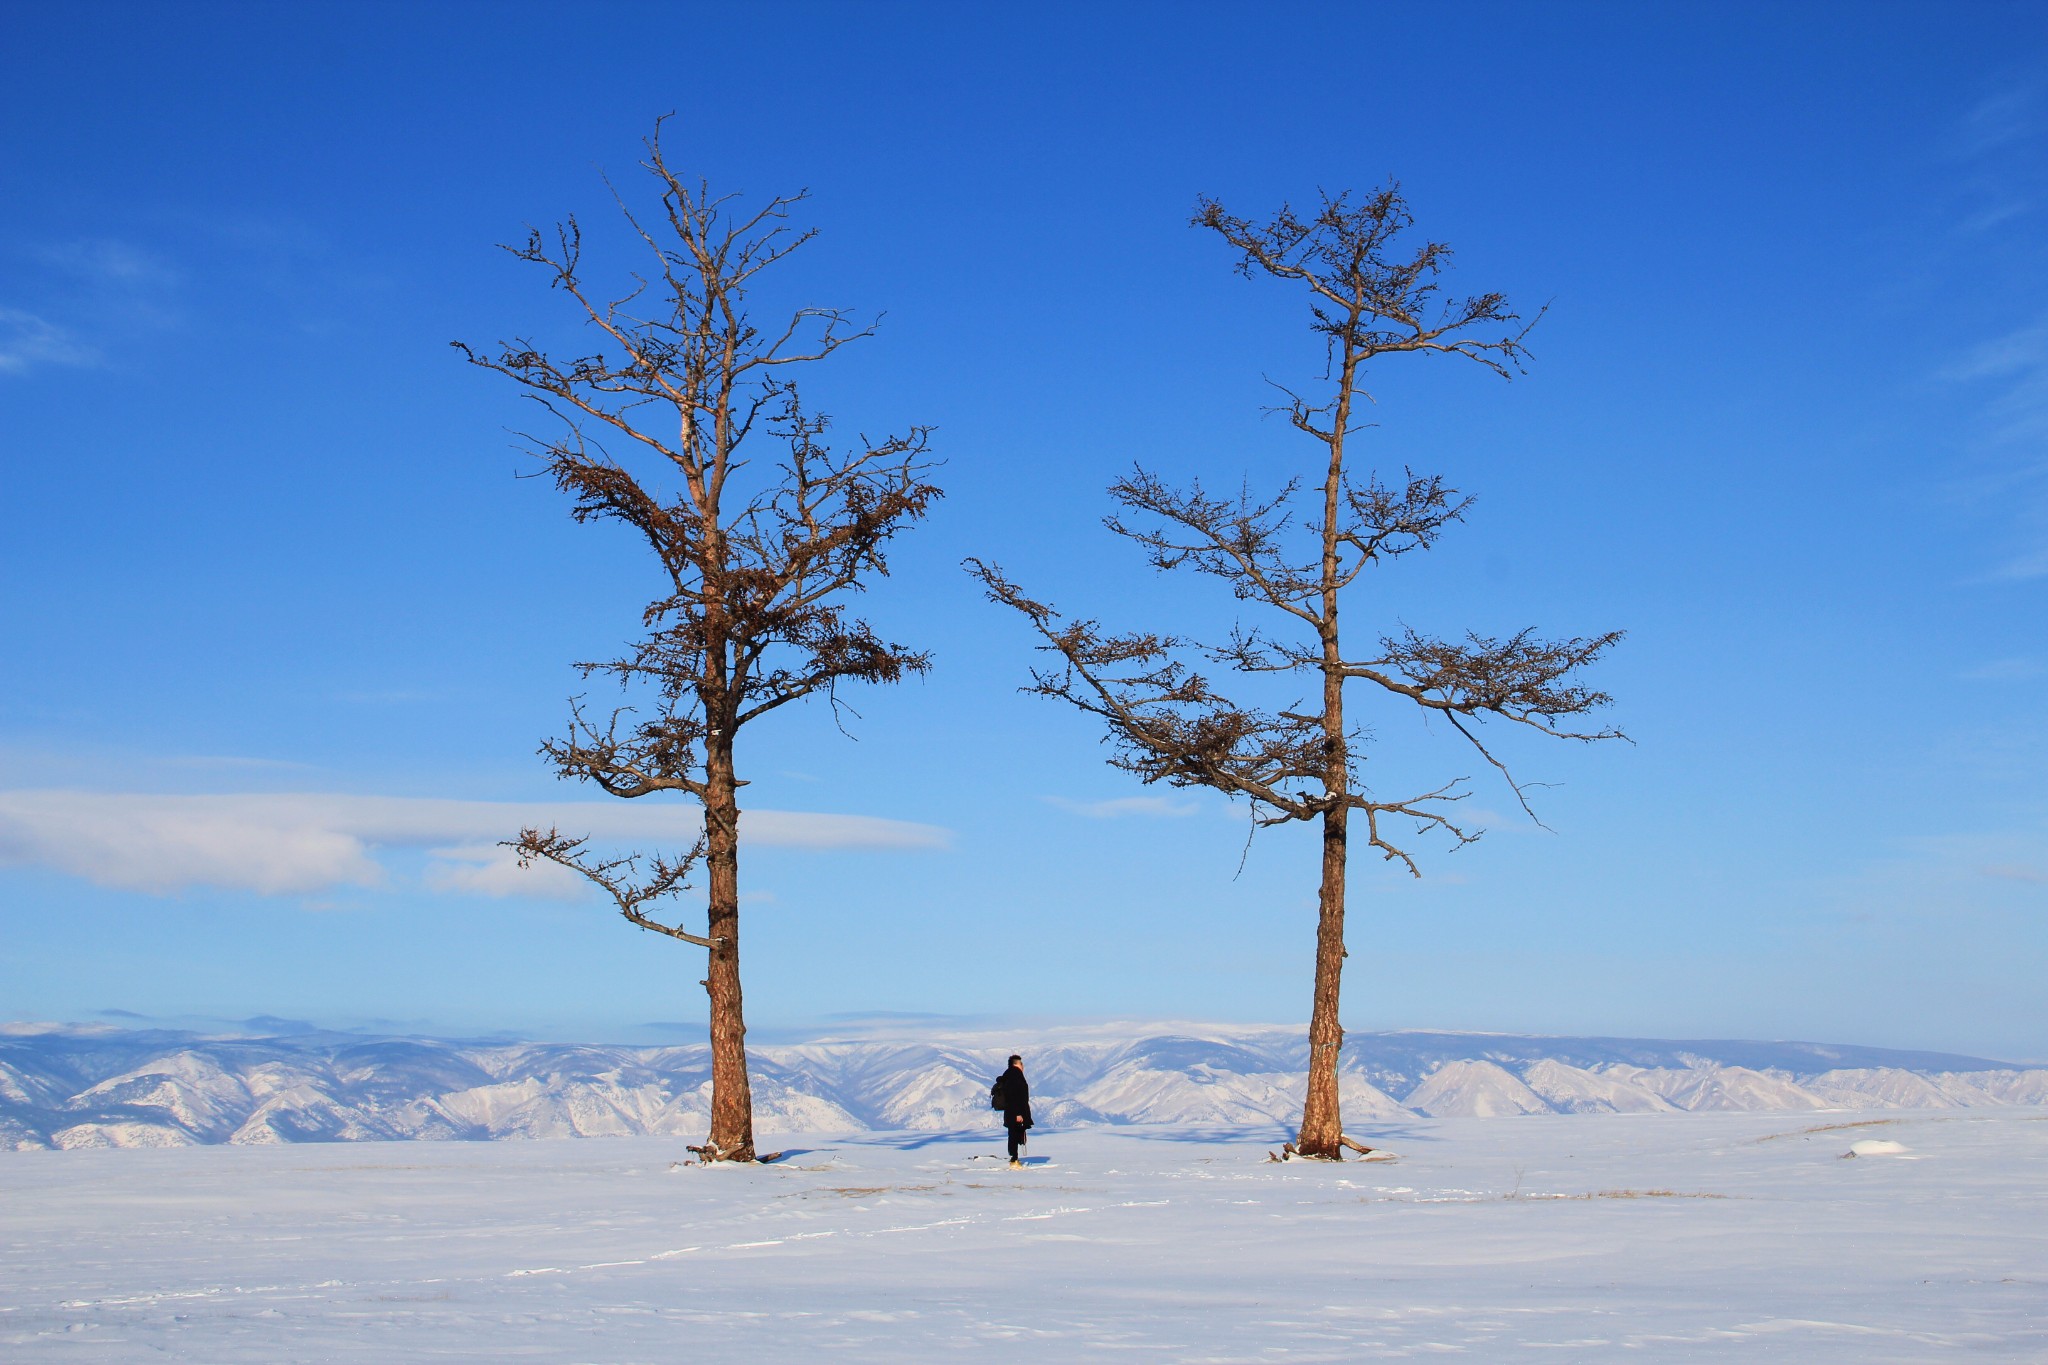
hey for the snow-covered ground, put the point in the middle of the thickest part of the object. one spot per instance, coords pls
(1648, 1236)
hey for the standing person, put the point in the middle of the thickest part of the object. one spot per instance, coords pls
(1012, 1094)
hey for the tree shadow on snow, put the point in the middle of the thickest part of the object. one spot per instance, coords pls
(911, 1142)
(1388, 1134)
(1208, 1135)
(1372, 1135)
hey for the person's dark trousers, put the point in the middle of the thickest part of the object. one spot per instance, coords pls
(1016, 1137)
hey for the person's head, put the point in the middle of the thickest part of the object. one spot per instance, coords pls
(1016, 1062)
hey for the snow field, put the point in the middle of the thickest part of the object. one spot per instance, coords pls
(1676, 1237)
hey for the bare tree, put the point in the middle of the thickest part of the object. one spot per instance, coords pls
(1168, 722)
(754, 559)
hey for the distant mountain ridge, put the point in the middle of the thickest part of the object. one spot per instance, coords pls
(71, 1087)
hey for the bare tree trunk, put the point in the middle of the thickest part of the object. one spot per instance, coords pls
(1322, 1121)
(732, 1100)
(1322, 1118)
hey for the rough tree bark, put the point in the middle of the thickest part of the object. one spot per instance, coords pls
(754, 567)
(1369, 298)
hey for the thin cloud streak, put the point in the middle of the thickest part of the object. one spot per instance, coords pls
(28, 341)
(2005, 670)
(493, 870)
(86, 302)
(2014, 424)
(1125, 805)
(107, 263)
(302, 843)
(2017, 872)
(1998, 145)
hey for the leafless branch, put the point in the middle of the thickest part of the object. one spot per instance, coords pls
(620, 877)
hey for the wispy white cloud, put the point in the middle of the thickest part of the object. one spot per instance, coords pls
(2013, 438)
(1939, 876)
(1998, 121)
(2006, 670)
(82, 300)
(270, 844)
(106, 262)
(391, 696)
(2029, 565)
(235, 763)
(28, 341)
(2019, 352)
(2017, 872)
(494, 870)
(302, 843)
(1999, 147)
(1122, 806)
(46, 765)
(2018, 364)
(1996, 146)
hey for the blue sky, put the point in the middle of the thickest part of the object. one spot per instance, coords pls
(1786, 423)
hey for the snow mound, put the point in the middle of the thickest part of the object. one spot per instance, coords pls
(1877, 1147)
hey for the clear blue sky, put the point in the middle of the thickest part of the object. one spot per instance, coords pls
(1786, 423)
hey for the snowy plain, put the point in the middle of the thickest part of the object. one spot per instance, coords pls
(1643, 1237)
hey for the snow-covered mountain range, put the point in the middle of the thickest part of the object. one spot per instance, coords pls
(68, 1086)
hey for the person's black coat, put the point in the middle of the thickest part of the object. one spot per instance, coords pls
(1015, 1093)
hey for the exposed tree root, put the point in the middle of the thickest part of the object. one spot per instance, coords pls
(711, 1152)
(1289, 1152)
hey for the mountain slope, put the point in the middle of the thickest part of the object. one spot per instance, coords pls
(85, 1087)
